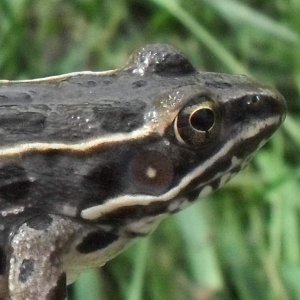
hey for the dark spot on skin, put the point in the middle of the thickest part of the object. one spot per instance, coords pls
(218, 84)
(2, 261)
(194, 194)
(26, 269)
(220, 166)
(119, 121)
(41, 222)
(91, 83)
(11, 97)
(139, 83)
(102, 182)
(216, 183)
(134, 234)
(59, 292)
(23, 122)
(96, 240)
(3, 97)
(121, 117)
(88, 83)
(25, 96)
(107, 81)
(54, 259)
(14, 184)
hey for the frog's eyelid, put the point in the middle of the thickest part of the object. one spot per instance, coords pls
(161, 59)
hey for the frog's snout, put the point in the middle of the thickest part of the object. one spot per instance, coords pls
(279, 106)
(270, 104)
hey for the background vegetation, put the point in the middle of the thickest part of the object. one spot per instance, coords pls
(240, 243)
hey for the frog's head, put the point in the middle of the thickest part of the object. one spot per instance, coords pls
(196, 135)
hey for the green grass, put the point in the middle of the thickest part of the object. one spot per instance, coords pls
(243, 242)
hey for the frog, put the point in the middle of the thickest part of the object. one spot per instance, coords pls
(92, 161)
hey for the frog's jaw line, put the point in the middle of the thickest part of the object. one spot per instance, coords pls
(113, 204)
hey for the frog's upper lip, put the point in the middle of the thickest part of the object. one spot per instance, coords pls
(279, 106)
(276, 105)
(283, 107)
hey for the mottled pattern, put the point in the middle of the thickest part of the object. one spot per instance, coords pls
(36, 258)
(14, 183)
(26, 270)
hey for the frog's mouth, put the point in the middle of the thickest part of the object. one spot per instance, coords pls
(202, 180)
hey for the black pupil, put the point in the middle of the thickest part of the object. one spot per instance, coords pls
(202, 119)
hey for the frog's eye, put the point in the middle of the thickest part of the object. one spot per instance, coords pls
(198, 122)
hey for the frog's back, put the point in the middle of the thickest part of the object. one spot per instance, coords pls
(69, 110)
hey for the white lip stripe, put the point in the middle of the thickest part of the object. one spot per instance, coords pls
(110, 205)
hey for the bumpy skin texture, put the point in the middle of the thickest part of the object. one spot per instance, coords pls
(34, 252)
(90, 161)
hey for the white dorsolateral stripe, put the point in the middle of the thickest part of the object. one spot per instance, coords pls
(58, 78)
(77, 147)
(154, 124)
(110, 205)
